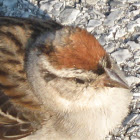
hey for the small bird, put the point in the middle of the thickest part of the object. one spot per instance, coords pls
(57, 83)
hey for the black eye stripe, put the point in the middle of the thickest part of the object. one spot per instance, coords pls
(79, 81)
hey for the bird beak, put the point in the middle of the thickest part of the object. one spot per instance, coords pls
(115, 79)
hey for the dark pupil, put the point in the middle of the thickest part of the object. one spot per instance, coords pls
(79, 81)
(100, 71)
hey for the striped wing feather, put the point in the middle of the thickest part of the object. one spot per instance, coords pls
(13, 124)
(20, 112)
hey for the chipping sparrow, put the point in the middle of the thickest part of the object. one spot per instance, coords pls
(57, 83)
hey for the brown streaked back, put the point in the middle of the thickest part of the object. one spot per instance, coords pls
(16, 36)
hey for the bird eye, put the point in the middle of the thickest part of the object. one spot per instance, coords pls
(100, 70)
(79, 81)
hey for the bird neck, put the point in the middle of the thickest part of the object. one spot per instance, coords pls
(37, 82)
